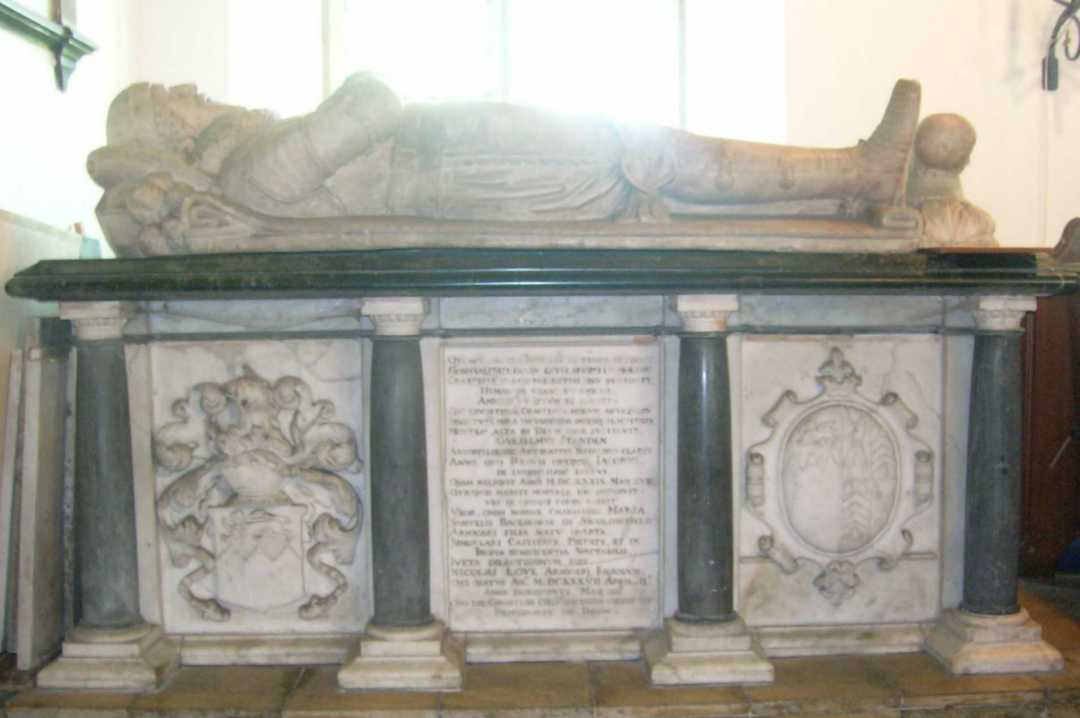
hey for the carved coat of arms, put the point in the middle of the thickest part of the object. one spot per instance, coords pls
(838, 481)
(258, 516)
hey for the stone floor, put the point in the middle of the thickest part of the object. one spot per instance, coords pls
(911, 685)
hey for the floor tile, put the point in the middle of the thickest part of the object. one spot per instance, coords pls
(223, 690)
(1064, 686)
(827, 684)
(924, 683)
(545, 686)
(317, 694)
(55, 701)
(622, 689)
(1059, 630)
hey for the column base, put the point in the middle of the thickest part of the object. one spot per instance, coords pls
(977, 643)
(131, 659)
(419, 659)
(695, 653)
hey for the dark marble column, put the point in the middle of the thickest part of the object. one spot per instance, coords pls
(706, 641)
(399, 492)
(403, 647)
(992, 524)
(401, 551)
(111, 647)
(105, 544)
(990, 632)
(705, 518)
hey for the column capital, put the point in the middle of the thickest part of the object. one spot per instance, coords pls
(396, 316)
(1002, 313)
(705, 312)
(97, 321)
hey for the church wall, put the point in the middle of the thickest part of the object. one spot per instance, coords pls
(978, 58)
(45, 134)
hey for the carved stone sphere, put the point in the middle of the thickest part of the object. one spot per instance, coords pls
(945, 142)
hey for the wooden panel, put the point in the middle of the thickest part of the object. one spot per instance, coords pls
(1051, 458)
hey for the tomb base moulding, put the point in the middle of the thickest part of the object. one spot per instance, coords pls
(295, 650)
(553, 646)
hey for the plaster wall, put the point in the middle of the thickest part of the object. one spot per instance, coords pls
(45, 134)
(979, 58)
(248, 52)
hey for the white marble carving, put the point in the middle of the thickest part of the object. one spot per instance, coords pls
(259, 509)
(185, 175)
(839, 524)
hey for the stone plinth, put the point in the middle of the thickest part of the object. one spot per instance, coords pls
(712, 653)
(136, 659)
(977, 643)
(423, 658)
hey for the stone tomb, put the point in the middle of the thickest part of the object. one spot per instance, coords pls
(400, 483)
(479, 382)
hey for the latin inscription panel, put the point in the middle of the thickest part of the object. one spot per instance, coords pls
(552, 484)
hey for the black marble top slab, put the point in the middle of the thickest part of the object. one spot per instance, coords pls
(458, 272)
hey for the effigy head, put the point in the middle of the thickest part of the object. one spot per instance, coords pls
(168, 118)
(945, 141)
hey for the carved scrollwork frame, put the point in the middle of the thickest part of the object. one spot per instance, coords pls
(839, 427)
(257, 452)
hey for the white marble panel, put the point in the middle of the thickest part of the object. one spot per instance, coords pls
(431, 361)
(764, 311)
(839, 477)
(8, 467)
(551, 477)
(262, 496)
(40, 602)
(959, 351)
(196, 317)
(670, 487)
(960, 312)
(558, 312)
(141, 414)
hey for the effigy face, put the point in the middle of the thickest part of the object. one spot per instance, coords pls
(185, 175)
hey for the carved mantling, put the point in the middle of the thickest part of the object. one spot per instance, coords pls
(257, 502)
(838, 481)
